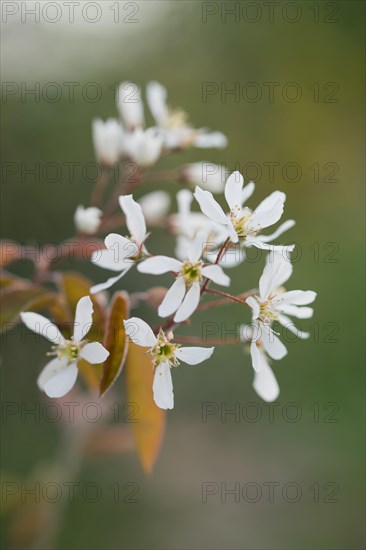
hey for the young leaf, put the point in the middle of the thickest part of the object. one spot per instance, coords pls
(150, 426)
(15, 300)
(115, 340)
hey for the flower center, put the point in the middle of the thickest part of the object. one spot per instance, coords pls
(267, 312)
(191, 272)
(240, 219)
(164, 351)
(68, 350)
(177, 118)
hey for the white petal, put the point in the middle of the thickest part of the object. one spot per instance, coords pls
(256, 356)
(52, 369)
(184, 201)
(265, 383)
(285, 226)
(135, 220)
(269, 202)
(289, 325)
(272, 344)
(122, 248)
(156, 96)
(277, 270)
(129, 104)
(83, 318)
(263, 245)
(41, 325)
(213, 139)
(139, 332)
(163, 387)
(173, 298)
(94, 353)
(209, 206)
(233, 190)
(253, 303)
(299, 312)
(193, 355)
(106, 259)
(247, 192)
(61, 382)
(298, 297)
(157, 265)
(103, 286)
(270, 210)
(189, 303)
(196, 247)
(216, 274)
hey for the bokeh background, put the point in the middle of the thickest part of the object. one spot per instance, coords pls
(172, 42)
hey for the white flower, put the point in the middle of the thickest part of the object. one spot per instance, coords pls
(143, 146)
(87, 220)
(187, 225)
(155, 206)
(121, 253)
(177, 132)
(184, 295)
(107, 139)
(130, 106)
(242, 224)
(165, 355)
(273, 303)
(265, 383)
(208, 175)
(59, 375)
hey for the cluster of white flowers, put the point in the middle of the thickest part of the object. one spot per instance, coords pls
(128, 138)
(196, 265)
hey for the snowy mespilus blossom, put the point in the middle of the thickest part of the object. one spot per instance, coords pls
(274, 304)
(205, 237)
(242, 224)
(187, 225)
(178, 133)
(165, 355)
(143, 147)
(59, 375)
(211, 177)
(184, 295)
(155, 206)
(130, 105)
(264, 383)
(122, 253)
(107, 140)
(87, 220)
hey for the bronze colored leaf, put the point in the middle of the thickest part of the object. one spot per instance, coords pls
(13, 301)
(149, 429)
(115, 340)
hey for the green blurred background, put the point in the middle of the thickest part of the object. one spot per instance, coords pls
(172, 44)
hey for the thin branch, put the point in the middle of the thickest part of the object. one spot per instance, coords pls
(225, 301)
(100, 187)
(227, 296)
(218, 258)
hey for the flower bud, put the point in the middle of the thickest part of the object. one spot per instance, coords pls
(207, 175)
(155, 206)
(87, 220)
(107, 140)
(130, 106)
(143, 146)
